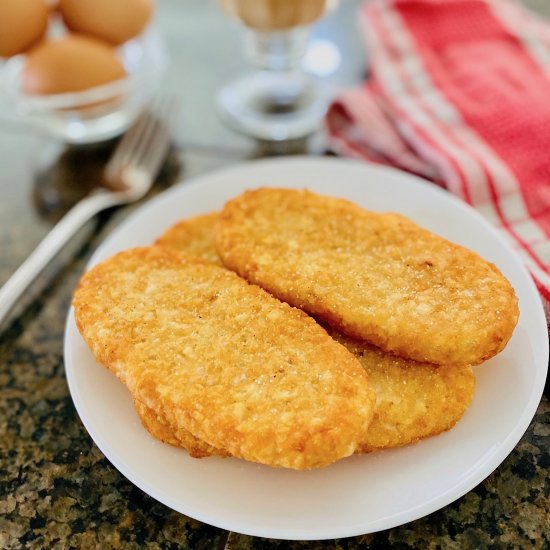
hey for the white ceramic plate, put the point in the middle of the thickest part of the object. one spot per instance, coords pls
(361, 494)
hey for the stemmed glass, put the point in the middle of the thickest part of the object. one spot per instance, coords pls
(278, 100)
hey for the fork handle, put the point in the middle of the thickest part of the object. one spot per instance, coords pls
(48, 248)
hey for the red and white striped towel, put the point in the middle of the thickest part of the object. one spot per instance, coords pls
(459, 92)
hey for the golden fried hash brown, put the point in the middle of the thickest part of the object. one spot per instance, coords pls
(223, 359)
(193, 237)
(376, 277)
(413, 400)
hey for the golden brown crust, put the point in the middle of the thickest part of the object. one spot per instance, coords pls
(156, 424)
(193, 237)
(376, 277)
(223, 359)
(413, 400)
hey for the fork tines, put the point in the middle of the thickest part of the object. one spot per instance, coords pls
(144, 145)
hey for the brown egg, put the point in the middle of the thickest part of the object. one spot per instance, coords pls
(113, 20)
(70, 64)
(22, 24)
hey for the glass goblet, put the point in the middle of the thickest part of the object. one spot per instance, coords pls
(277, 101)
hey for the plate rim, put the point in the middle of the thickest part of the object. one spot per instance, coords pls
(421, 510)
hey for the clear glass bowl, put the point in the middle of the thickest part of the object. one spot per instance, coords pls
(95, 114)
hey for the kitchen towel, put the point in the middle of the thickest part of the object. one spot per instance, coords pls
(459, 92)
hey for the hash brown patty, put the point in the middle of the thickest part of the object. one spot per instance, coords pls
(376, 277)
(223, 359)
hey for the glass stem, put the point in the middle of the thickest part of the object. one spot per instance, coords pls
(277, 50)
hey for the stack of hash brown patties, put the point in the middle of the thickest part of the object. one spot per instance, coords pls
(294, 329)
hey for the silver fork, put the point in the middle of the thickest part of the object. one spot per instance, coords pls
(129, 174)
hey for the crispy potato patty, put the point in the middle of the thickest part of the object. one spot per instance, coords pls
(377, 277)
(223, 359)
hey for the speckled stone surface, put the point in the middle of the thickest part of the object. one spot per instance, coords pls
(57, 490)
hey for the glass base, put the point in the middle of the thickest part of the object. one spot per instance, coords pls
(273, 105)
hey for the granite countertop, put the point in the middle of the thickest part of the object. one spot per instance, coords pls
(57, 490)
